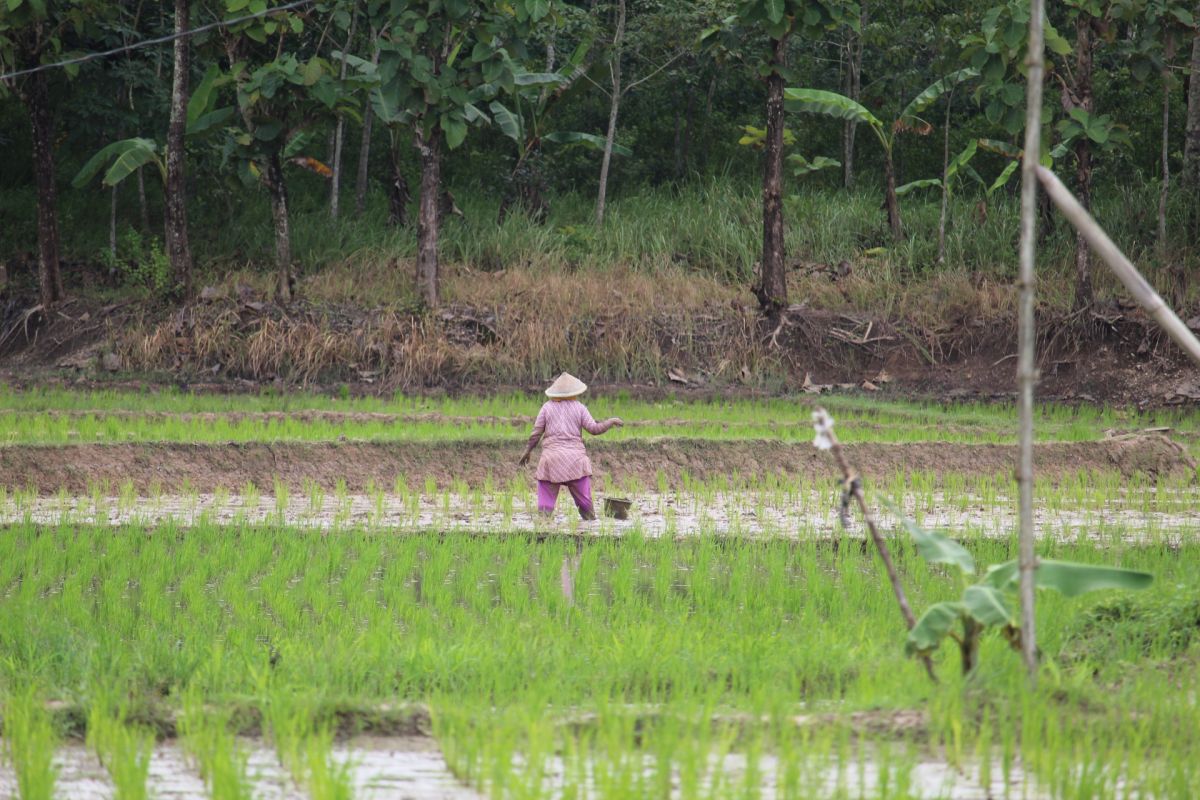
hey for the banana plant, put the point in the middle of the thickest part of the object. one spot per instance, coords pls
(832, 104)
(122, 159)
(125, 157)
(957, 169)
(1099, 128)
(534, 96)
(801, 166)
(989, 602)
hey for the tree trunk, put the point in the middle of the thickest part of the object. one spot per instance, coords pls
(335, 181)
(1083, 156)
(614, 107)
(273, 176)
(398, 192)
(36, 97)
(677, 143)
(112, 224)
(853, 83)
(968, 648)
(142, 204)
(1191, 148)
(689, 117)
(941, 257)
(891, 201)
(1166, 163)
(364, 150)
(178, 247)
(364, 165)
(772, 287)
(429, 150)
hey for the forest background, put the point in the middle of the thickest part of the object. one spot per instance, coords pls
(695, 193)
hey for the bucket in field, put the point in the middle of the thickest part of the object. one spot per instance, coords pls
(617, 507)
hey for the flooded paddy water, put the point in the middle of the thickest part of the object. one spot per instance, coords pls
(1153, 515)
(408, 768)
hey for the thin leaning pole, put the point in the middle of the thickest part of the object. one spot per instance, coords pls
(1026, 366)
(1122, 267)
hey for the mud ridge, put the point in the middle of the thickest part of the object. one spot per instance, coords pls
(77, 469)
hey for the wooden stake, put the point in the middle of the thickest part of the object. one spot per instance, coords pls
(854, 486)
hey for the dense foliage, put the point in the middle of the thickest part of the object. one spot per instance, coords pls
(364, 99)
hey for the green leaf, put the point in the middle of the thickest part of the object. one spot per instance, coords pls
(295, 145)
(104, 156)
(1055, 42)
(1069, 578)
(961, 160)
(774, 9)
(1003, 177)
(455, 129)
(802, 166)
(932, 93)
(210, 120)
(1073, 579)
(510, 123)
(987, 605)
(935, 547)
(580, 52)
(830, 104)
(924, 183)
(590, 140)
(268, 131)
(202, 95)
(538, 79)
(926, 636)
(313, 71)
(1002, 148)
(139, 154)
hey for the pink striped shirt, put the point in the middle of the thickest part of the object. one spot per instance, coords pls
(560, 426)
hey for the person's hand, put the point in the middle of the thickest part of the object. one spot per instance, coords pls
(616, 422)
(524, 459)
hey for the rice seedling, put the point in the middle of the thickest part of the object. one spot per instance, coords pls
(122, 748)
(29, 744)
(326, 779)
(218, 756)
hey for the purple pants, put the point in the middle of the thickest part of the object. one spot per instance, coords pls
(580, 489)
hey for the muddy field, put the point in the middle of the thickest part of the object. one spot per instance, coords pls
(169, 467)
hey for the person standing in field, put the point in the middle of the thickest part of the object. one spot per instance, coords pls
(564, 461)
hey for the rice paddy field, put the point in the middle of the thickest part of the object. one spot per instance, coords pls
(310, 597)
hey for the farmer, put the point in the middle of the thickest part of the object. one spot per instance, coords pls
(559, 427)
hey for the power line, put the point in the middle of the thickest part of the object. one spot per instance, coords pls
(225, 23)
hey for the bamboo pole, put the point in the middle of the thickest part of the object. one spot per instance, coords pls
(1124, 269)
(1026, 365)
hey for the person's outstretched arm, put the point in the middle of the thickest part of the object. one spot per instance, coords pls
(539, 427)
(596, 428)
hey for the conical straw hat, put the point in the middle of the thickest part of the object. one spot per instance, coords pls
(566, 385)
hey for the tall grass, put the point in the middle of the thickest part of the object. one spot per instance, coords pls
(711, 226)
